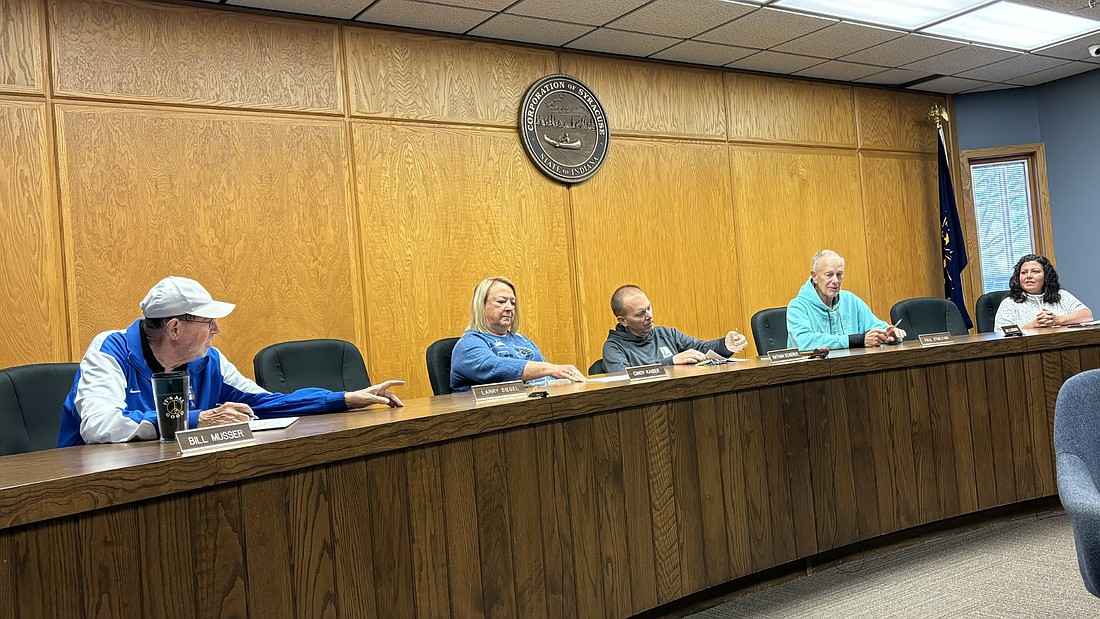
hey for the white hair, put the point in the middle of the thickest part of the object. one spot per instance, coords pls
(822, 255)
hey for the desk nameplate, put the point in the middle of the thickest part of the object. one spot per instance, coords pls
(646, 372)
(1011, 331)
(498, 391)
(214, 438)
(786, 355)
(936, 339)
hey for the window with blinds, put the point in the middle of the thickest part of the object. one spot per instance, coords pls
(1003, 213)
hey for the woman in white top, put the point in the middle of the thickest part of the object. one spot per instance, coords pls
(1036, 299)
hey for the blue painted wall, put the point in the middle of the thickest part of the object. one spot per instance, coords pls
(1065, 116)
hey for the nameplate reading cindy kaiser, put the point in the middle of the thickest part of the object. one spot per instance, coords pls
(564, 128)
(498, 391)
(214, 438)
(646, 372)
(936, 339)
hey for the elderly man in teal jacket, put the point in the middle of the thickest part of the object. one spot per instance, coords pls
(823, 315)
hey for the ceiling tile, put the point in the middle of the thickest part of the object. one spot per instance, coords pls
(775, 62)
(485, 5)
(992, 87)
(893, 77)
(680, 18)
(698, 52)
(1065, 6)
(579, 11)
(1005, 70)
(839, 70)
(727, 34)
(530, 30)
(765, 28)
(903, 50)
(838, 40)
(621, 42)
(1074, 50)
(961, 59)
(1057, 73)
(340, 9)
(949, 85)
(435, 17)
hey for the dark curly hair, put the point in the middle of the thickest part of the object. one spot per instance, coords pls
(1051, 287)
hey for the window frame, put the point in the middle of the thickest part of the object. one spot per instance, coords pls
(1042, 231)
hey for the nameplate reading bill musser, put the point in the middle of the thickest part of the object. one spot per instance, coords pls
(564, 129)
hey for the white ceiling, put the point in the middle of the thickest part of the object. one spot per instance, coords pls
(716, 33)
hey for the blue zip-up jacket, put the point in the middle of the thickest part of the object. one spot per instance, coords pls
(112, 396)
(484, 358)
(811, 323)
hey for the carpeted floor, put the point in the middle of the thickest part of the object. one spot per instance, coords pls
(1024, 568)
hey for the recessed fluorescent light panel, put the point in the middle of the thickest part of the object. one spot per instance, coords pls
(907, 15)
(1014, 25)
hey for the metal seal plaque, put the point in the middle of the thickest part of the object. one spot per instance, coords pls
(564, 128)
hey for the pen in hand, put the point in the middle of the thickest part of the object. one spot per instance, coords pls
(894, 327)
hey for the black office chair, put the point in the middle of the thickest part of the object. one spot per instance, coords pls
(985, 310)
(769, 329)
(927, 315)
(31, 397)
(335, 365)
(597, 368)
(438, 358)
(1077, 448)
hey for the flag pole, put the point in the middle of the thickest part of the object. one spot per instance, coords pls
(953, 248)
(938, 113)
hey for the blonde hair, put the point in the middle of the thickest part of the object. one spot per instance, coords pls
(477, 305)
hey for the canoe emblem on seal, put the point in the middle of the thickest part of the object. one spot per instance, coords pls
(564, 128)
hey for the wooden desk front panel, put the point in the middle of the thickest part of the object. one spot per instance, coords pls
(601, 514)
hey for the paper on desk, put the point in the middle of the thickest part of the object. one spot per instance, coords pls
(1081, 325)
(717, 357)
(608, 378)
(277, 423)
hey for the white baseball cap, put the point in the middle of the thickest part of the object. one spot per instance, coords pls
(176, 296)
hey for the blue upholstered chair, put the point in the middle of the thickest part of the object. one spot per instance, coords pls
(1077, 445)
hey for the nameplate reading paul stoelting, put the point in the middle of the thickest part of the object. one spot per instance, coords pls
(1011, 331)
(564, 128)
(496, 391)
(214, 438)
(936, 339)
(784, 356)
(646, 372)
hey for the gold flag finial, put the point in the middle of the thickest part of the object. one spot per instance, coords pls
(938, 113)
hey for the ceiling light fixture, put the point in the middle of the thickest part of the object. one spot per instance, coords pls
(908, 16)
(1015, 26)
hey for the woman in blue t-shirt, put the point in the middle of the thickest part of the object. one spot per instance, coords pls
(491, 350)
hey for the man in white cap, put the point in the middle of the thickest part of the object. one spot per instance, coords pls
(112, 397)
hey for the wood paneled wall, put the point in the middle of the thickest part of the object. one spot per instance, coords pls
(32, 299)
(342, 181)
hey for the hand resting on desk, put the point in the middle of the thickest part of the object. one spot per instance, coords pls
(375, 394)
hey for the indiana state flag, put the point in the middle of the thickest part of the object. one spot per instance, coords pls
(954, 249)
